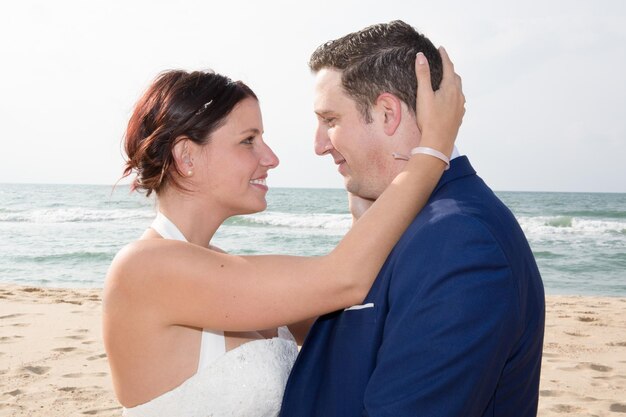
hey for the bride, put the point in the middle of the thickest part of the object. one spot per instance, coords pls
(192, 331)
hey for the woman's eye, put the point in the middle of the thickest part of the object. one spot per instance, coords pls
(248, 141)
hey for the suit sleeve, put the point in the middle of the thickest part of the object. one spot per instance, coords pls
(452, 320)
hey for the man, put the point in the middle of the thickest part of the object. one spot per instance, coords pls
(453, 325)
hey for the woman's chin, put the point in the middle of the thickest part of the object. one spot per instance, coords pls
(254, 208)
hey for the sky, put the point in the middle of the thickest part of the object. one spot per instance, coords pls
(544, 81)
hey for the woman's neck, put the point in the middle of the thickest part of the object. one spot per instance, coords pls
(195, 219)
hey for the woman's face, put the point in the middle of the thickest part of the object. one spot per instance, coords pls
(233, 166)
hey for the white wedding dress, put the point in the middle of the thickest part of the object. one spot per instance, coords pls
(246, 381)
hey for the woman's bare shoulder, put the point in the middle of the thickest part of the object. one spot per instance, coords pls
(217, 249)
(151, 259)
(140, 261)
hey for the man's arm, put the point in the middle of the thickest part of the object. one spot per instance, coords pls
(453, 318)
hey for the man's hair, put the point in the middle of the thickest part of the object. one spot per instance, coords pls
(379, 59)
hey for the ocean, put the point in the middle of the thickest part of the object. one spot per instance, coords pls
(66, 235)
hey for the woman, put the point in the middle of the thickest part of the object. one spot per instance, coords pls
(181, 318)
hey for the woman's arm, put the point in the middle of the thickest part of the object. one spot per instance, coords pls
(179, 283)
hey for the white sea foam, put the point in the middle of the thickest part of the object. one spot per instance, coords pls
(536, 227)
(74, 214)
(336, 222)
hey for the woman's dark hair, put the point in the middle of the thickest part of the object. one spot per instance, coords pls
(177, 104)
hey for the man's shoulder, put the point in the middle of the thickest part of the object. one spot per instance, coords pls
(465, 200)
(448, 222)
(454, 209)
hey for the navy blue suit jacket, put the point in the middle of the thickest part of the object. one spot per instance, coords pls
(452, 326)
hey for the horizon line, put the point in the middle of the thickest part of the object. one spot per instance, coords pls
(308, 188)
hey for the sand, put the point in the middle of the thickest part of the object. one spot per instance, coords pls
(52, 360)
(584, 357)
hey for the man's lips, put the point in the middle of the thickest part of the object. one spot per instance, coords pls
(341, 166)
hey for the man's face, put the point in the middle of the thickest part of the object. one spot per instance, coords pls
(357, 147)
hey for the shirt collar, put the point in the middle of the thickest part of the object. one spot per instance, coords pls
(455, 153)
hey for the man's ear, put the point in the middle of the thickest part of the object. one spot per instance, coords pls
(391, 108)
(182, 156)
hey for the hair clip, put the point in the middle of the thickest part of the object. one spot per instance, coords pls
(204, 107)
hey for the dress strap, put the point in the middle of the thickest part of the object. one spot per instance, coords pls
(284, 333)
(213, 342)
(166, 228)
(212, 346)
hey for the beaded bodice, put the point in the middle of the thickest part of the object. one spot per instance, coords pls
(246, 381)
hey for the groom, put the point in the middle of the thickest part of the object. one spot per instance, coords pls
(453, 325)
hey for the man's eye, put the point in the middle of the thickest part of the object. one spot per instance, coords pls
(330, 121)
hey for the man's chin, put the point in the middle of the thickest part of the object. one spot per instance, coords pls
(350, 185)
(353, 188)
(358, 189)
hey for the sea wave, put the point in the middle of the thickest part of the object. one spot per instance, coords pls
(561, 221)
(79, 256)
(552, 225)
(75, 214)
(603, 214)
(547, 255)
(339, 222)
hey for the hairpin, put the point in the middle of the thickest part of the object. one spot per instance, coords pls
(204, 107)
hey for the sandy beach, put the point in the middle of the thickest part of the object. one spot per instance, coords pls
(52, 360)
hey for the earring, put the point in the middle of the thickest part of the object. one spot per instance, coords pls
(187, 161)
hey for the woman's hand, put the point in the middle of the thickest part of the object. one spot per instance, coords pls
(439, 113)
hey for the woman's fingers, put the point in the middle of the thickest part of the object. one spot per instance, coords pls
(425, 94)
(439, 113)
(448, 66)
(422, 73)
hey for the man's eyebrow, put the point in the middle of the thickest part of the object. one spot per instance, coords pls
(324, 112)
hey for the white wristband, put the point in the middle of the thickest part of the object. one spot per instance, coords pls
(432, 152)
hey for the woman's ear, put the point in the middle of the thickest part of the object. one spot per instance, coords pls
(390, 107)
(182, 156)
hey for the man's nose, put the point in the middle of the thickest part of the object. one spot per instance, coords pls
(322, 142)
